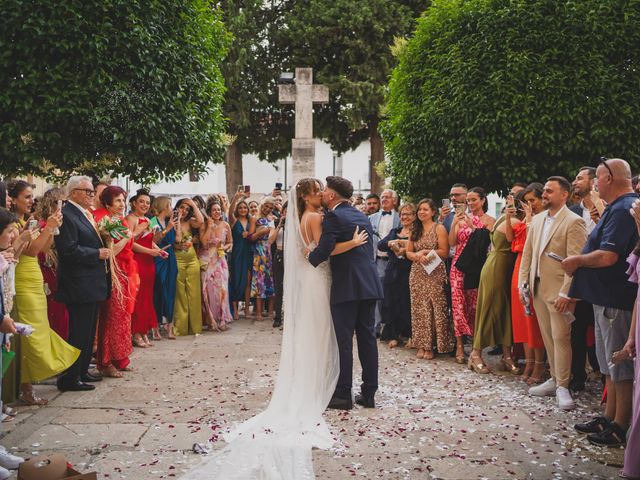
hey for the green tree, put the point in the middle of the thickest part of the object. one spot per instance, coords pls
(493, 91)
(348, 44)
(257, 123)
(131, 88)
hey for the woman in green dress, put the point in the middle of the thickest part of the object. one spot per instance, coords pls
(43, 354)
(187, 310)
(493, 311)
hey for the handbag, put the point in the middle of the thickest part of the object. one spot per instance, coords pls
(7, 358)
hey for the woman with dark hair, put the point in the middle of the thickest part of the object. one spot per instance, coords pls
(43, 354)
(396, 304)
(187, 312)
(262, 287)
(114, 324)
(493, 311)
(241, 258)
(524, 206)
(145, 251)
(463, 301)
(215, 242)
(429, 320)
(51, 201)
(164, 224)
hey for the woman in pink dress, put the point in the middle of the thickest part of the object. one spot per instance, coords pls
(215, 243)
(114, 324)
(463, 302)
(145, 251)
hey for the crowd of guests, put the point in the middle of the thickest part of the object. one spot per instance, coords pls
(552, 281)
(96, 273)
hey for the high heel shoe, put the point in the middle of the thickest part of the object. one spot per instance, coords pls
(30, 398)
(536, 380)
(420, 353)
(509, 366)
(526, 374)
(477, 366)
(460, 359)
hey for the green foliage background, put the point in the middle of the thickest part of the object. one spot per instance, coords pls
(489, 92)
(111, 85)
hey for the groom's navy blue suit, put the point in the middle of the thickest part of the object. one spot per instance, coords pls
(355, 288)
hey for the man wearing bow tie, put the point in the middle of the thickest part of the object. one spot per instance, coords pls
(383, 222)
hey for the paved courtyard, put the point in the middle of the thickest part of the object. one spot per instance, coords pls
(434, 419)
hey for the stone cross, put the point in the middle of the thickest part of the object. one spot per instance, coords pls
(304, 94)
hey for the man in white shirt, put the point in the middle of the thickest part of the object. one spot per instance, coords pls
(383, 222)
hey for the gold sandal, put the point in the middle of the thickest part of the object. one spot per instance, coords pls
(509, 366)
(479, 367)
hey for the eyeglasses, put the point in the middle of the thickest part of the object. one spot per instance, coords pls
(603, 161)
(88, 191)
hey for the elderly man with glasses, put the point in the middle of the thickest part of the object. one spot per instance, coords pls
(83, 279)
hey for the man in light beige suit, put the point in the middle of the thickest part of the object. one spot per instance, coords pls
(561, 232)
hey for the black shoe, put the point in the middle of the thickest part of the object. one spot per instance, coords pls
(338, 403)
(596, 425)
(612, 436)
(576, 386)
(497, 350)
(91, 378)
(76, 387)
(277, 323)
(366, 401)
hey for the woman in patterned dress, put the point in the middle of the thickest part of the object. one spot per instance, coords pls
(429, 321)
(215, 243)
(463, 302)
(263, 235)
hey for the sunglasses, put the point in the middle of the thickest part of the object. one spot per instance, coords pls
(603, 161)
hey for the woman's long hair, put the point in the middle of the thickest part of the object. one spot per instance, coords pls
(418, 228)
(306, 186)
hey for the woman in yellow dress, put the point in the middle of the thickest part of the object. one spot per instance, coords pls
(187, 310)
(43, 354)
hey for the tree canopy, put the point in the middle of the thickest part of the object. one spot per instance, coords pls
(348, 44)
(132, 88)
(489, 92)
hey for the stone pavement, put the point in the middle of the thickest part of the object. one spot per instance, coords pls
(435, 419)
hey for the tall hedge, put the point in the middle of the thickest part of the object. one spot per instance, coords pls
(494, 91)
(112, 85)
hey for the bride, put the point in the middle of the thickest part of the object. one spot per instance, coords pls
(276, 444)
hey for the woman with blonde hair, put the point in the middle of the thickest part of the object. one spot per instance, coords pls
(263, 234)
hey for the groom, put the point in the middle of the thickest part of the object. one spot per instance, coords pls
(355, 288)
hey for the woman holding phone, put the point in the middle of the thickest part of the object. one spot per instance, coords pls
(163, 224)
(44, 354)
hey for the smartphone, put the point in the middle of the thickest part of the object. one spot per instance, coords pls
(247, 189)
(240, 188)
(460, 207)
(33, 224)
(446, 203)
(554, 256)
(278, 186)
(59, 205)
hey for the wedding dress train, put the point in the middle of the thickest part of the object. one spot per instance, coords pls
(276, 444)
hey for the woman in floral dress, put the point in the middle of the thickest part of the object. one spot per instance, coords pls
(215, 243)
(262, 274)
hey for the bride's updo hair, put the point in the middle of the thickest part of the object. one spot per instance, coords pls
(306, 186)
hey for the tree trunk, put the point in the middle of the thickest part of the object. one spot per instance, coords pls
(233, 162)
(377, 156)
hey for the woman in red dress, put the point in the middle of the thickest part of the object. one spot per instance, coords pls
(114, 325)
(144, 251)
(525, 327)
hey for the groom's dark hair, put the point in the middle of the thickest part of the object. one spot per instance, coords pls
(342, 186)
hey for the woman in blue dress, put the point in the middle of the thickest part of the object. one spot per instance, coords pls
(241, 258)
(164, 293)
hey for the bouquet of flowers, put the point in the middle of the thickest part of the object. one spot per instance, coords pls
(112, 228)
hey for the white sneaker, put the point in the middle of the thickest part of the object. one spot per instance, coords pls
(4, 473)
(565, 402)
(547, 389)
(8, 461)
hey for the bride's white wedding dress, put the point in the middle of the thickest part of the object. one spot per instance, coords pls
(276, 444)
